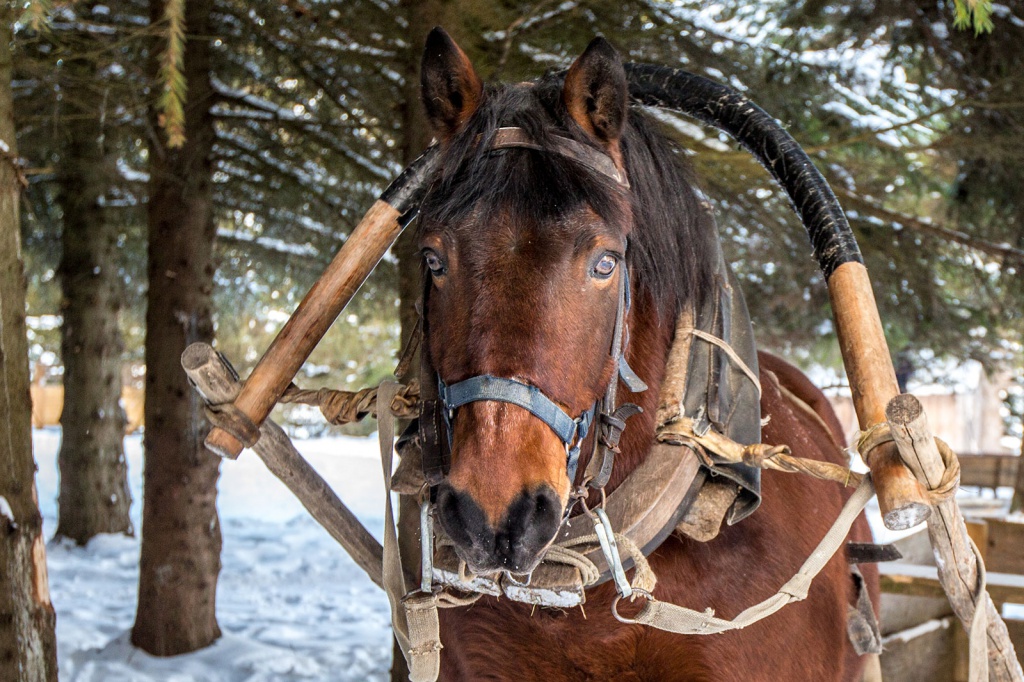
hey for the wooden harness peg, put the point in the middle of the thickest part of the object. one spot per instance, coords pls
(873, 384)
(316, 313)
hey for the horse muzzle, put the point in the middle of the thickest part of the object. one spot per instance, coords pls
(515, 543)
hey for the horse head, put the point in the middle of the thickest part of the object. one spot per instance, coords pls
(526, 234)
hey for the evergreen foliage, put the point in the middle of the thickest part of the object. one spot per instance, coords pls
(916, 123)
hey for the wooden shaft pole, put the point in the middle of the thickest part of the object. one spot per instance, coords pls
(316, 313)
(956, 562)
(873, 384)
(217, 384)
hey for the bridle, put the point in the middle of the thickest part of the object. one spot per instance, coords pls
(570, 431)
(438, 412)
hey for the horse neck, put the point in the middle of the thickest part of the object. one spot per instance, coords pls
(650, 338)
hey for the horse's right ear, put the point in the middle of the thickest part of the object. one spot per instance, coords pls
(451, 88)
(596, 93)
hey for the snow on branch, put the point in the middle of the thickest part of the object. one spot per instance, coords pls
(928, 226)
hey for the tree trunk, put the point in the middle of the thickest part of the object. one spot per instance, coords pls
(28, 648)
(181, 537)
(422, 16)
(94, 496)
(456, 17)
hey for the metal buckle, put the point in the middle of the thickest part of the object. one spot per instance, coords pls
(426, 546)
(512, 580)
(615, 605)
(606, 538)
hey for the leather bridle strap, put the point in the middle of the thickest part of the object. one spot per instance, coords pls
(571, 431)
(599, 162)
(613, 418)
(486, 387)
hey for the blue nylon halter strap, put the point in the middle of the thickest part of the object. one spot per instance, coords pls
(571, 431)
(486, 387)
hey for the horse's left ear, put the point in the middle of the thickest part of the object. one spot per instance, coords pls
(451, 89)
(596, 93)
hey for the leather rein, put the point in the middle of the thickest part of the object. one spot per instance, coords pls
(438, 410)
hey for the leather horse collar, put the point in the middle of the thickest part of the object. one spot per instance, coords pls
(438, 411)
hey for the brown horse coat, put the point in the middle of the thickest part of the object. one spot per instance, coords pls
(504, 640)
(512, 242)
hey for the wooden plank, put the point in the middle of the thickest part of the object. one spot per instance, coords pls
(899, 612)
(955, 559)
(1016, 629)
(934, 651)
(988, 470)
(924, 653)
(977, 530)
(923, 581)
(1005, 546)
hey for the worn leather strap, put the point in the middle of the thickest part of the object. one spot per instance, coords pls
(432, 425)
(685, 621)
(612, 420)
(511, 137)
(413, 614)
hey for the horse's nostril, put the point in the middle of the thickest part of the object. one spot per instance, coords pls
(462, 518)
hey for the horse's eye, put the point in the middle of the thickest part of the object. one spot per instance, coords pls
(606, 266)
(434, 263)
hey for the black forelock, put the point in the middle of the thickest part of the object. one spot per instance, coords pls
(671, 244)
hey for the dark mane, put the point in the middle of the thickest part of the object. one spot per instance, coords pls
(671, 248)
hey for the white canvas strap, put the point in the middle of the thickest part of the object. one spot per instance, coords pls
(413, 614)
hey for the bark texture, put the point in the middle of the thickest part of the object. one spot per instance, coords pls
(181, 537)
(28, 648)
(94, 496)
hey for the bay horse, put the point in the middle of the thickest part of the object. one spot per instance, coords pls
(523, 251)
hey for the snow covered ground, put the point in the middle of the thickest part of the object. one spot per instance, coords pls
(292, 605)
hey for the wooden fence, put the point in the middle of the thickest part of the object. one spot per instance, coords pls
(989, 471)
(48, 403)
(923, 641)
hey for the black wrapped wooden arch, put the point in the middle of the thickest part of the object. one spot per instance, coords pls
(722, 107)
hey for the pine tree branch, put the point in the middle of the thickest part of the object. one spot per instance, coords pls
(379, 172)
(232, 153)
(872, 207)
(536, 16)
